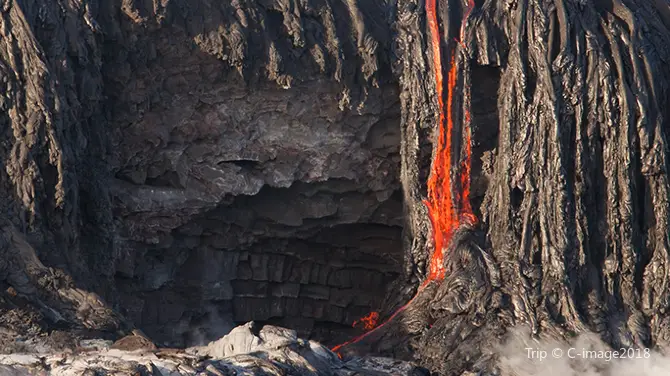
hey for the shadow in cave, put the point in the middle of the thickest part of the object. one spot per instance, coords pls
(270, 258)
(250, 45)
(266, 42)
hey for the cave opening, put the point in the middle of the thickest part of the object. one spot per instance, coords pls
(311, 257)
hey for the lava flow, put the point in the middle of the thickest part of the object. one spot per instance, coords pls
(356, 339)
(448, 204)
(445, 214)
(369, 322)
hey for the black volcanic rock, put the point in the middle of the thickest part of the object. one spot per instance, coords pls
(569, 177)
(167, 156)
(187, 165)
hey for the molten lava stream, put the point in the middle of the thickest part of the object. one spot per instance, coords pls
(441, 207)
(360, 337)
(445, 214)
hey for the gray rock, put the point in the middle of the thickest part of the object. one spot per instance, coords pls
(274, 351)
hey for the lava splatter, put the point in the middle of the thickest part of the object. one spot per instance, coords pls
(369, 322)
(360, 337)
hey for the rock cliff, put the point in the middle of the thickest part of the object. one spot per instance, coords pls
(183, 166)
(193, 165)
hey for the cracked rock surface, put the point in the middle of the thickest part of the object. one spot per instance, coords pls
(184, 166)
(247, 350)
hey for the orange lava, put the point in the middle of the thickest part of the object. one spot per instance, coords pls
(369, 322)
(441, 207)
(466, 213)
(356, 339)
(448, 204)
(445, 214)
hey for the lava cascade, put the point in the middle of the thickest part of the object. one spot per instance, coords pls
(448, 204)
(446, 213)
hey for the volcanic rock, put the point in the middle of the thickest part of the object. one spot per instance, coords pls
(136, 340)
(191, 166)
(273, 351)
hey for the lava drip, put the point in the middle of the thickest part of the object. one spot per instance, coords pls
(466, 215)
(448, 201)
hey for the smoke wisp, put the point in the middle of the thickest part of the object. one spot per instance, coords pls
(586, 355)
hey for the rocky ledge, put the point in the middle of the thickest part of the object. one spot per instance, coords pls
(247, 350)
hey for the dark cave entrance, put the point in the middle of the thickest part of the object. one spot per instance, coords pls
(311, 257)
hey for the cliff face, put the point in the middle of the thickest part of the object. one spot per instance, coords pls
(181, 165)
(572, 233)
(198, 164)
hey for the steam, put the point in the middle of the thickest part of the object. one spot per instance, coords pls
(211, 327)
(586, 355)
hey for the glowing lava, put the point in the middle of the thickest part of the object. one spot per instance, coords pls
(448, 201)
(369, 322)
(466, 213)
(447, 214)
(356, 339)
